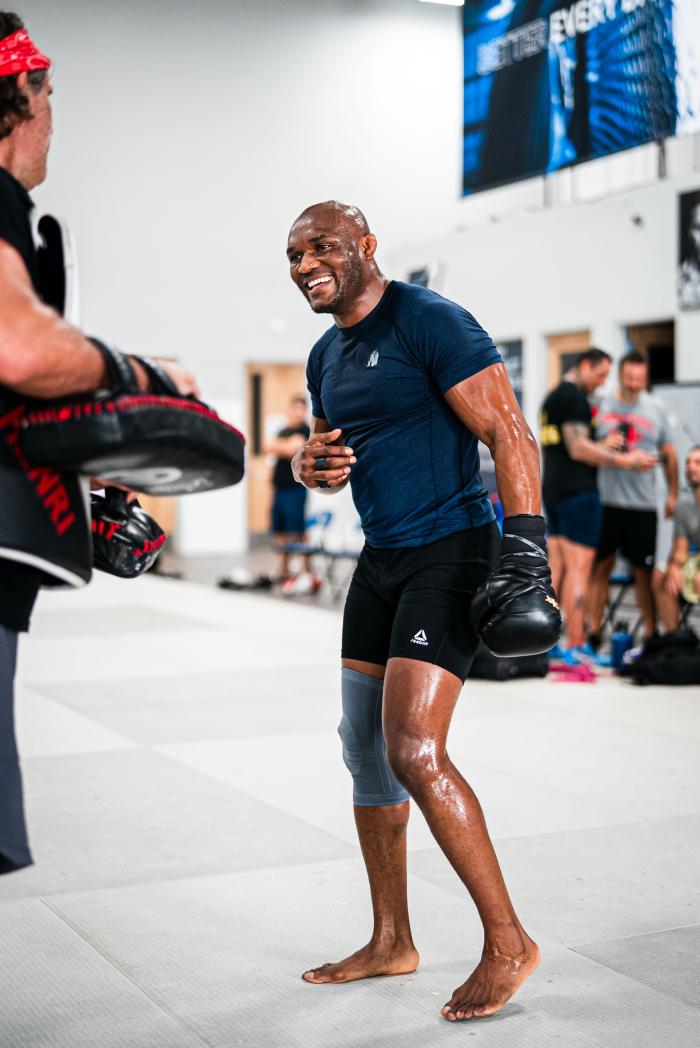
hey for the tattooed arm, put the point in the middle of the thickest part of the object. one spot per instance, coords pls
(582, 449)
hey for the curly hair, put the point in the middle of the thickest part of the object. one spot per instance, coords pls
(14, 105)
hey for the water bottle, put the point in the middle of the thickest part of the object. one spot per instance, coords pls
(621, 642)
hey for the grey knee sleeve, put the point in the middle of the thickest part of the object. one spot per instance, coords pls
(364, 749)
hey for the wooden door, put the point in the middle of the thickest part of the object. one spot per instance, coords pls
(270, 389)
(657, 343)
(562, 351)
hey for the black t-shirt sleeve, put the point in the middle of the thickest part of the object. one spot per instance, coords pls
(313, 386)
(293, 431)
(452, 344)
(572, 406)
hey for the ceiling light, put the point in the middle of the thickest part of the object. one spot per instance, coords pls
(450, 3)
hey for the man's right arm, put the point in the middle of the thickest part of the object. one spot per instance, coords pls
(582, 449)
(321, 444)
(41, 355)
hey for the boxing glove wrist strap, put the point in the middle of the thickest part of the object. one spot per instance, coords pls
(524, 533)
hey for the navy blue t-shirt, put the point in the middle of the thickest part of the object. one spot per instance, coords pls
(382, 381)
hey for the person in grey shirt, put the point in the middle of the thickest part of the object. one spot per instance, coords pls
(683, 570)
(629, 499)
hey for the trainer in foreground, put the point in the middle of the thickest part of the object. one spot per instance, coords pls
(44, 515)
(402, 386)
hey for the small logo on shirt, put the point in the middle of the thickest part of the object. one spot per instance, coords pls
(373, 359)
(420, 638)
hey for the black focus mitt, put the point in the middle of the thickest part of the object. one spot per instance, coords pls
(126, 540)
(515, 611)
(158, 442)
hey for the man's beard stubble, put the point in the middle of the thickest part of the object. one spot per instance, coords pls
(350, 287)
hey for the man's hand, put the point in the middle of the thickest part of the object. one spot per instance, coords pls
(614, 440)
(670, 505)
(185, 381)
(638, 461)
(333, 469)
(673, 583)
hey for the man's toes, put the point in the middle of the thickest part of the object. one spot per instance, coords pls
(317, 974)
(453, 1002)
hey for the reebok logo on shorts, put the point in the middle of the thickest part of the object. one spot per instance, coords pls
(420, 638)
(373, 359)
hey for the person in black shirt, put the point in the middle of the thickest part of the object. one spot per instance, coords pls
(41, 356)
(289, 501)
(571, 502)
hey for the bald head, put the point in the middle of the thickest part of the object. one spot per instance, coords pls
(331, 259)
(335, 214)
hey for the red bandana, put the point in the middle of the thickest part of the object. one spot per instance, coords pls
(19, 55)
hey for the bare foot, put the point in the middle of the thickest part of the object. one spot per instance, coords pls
(372, 959)
(495, 979)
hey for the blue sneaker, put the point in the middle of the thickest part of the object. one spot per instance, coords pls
(582, 653)
(555, 653)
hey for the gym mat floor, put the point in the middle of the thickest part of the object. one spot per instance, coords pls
(195, 849)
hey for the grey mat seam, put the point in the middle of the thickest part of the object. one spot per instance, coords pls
(145, 882)
(560, 833)
(635, 935)
(37, 686)
(154, 747)
(631, 978)
(154, 1000)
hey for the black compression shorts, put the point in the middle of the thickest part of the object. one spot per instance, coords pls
(631, 532)
(413, 603)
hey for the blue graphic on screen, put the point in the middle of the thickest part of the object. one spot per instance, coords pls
(549, 83)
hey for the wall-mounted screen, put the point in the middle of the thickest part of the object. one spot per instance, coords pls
(550, 83)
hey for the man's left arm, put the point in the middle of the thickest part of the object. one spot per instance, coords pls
(486, 405)
(669, 461)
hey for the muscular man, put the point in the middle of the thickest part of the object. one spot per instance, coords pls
(44, 537)
(571, 454)
(668, 585)
(629, 498)
(409, 381)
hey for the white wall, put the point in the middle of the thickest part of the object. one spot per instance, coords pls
(189, 136)
(533, 260)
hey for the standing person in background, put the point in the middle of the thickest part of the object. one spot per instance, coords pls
(289, 501)
(571, 502)
(629, 498)
(668, 585)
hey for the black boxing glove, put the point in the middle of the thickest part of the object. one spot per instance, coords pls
(515, 611)
(126, 540)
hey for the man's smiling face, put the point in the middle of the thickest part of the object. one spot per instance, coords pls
(326, 260)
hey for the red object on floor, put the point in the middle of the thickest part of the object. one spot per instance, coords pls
(580, 674)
